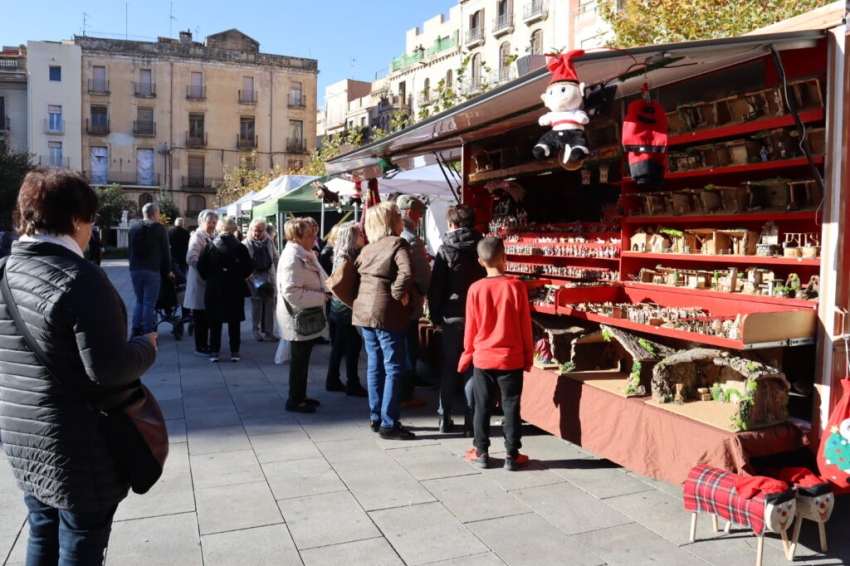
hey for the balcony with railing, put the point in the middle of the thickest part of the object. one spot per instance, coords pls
(98, 86)
(423, 98)
(144, 90)
(98, 127)
(247, 97)
(126, 178)
(443, 44)
(53, 162)
(144, 128)
(5, 125)
(296, 145)
(297, 100)
(195, 92)
(200, 184)
(53, 126)
(407, 60)
(196, 140)
(503, 25)
(534, 11)
(246, 142)
(474, 37)
(504, 75)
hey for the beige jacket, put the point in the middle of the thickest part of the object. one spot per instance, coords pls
(301, 282)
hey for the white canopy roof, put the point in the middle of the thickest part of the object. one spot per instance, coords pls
(427, 181)
(274, 189)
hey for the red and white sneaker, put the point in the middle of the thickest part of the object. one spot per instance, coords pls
(477, 459)
(518, 462)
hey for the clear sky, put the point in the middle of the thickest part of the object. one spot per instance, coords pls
(350, 38)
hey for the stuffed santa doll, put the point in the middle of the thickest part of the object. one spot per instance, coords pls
(564, 98)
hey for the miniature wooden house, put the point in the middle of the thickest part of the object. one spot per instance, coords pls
(658, 243)
(771, 193)
(733, 199)
(758, 391)
(711, 200)
(742, 152)
(676, 123)
(681, 242)
(613, 348)
(742, 108)
(743, 242)
(654, 203)
(803, 193)
(713, 155)
(686, 200)
(808, 93)
(711, 241)
(639, 242)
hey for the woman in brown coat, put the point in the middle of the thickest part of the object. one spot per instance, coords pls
(382, 310)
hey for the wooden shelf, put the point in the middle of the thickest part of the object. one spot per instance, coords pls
(797, 303)
(516, 171)
(563, 277)
(775, 214)
(747, 259)
(760, 166)
(730, 130)
(522, 258)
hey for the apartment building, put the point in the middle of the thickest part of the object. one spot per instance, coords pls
(337, 115)
(479, 45)
(53, 104)
(175, 114)
(13, 99)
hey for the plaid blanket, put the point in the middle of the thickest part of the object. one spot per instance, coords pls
(709, 490)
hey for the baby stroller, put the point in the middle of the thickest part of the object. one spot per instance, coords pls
(169, 305)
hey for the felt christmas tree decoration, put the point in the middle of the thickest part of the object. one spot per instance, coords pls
(834, 452)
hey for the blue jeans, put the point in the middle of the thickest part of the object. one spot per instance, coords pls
(385, 366)
(146, 286)
(65, 538)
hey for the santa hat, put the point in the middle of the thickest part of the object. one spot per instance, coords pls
(561, 66)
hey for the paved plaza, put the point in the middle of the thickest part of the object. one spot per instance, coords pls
(247, 483)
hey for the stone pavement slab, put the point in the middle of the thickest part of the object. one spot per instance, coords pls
(234, 507)
(328, 518)
(581, 514)
(375, 552)
(172, 540)
(260, 546)
(474, 498)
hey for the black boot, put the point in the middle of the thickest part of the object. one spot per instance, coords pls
(446, 424)
(468, 428)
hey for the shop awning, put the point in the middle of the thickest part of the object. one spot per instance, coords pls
(517, 103)
(299, 199)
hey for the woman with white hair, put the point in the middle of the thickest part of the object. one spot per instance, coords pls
(382, 309)
(262, 280)
(195, 286)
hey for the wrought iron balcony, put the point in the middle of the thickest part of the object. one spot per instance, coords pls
(246, 142)
(534, 10)
(196, 140)
(424, 98)
(504, 75)
(144, 90)
(295, 145)
(200, 184)
(195, 92)
(5, 125)
(129, 178)
(144, 128)
(97, 127)
(54, 126)
(247, 97)
(98, 86)
(502, 25)
(475, 36)
(296, 100)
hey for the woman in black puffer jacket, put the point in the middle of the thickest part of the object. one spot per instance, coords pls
(51, 437)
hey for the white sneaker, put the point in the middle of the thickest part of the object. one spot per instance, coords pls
(214, 357)
(235, 357)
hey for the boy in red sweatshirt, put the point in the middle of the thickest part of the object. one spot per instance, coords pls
(499, 345)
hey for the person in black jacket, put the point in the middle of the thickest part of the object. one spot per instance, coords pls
(178, 238)
(225, 264)
(51, 436)
(150, 261)
(456, 267)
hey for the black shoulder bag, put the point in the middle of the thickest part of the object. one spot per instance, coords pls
(131, 420)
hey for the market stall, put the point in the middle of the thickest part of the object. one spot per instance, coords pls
(734, 259)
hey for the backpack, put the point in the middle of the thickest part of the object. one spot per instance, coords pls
(141, 243)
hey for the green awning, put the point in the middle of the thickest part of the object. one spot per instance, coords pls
(299, 199)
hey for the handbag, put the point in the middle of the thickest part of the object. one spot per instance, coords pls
(343, 282)
(308, 321)
(130, 420)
